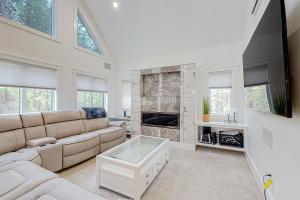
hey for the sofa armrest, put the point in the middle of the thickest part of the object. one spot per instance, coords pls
(51, 156)
(40, 142)
(121, 124)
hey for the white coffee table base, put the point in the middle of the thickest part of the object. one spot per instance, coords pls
(128, 178)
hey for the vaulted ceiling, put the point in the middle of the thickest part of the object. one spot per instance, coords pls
(143, 28)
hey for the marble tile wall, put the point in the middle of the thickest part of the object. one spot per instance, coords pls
(167, 89)
(172, 134)
(150, 104)
(171, 84)
(150, 85)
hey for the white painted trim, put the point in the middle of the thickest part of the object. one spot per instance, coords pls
(89, 28)
(76, 71)
(257, 175)
(54, 37)
(86, 50)
(19, 59)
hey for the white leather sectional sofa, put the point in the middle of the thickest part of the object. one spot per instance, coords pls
(53, 140)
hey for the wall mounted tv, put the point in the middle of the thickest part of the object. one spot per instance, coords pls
(266, 64)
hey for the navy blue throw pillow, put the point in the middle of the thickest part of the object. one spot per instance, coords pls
(94, 112)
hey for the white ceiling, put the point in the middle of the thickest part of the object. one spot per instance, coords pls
(145, 28)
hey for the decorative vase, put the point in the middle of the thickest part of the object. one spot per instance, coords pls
(206, 117)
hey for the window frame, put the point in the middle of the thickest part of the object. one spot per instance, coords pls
(105, 94)
(234, 78)
(91, 31)
(22, 98)
(54, 35)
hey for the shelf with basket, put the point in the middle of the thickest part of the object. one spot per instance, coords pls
(222, 135)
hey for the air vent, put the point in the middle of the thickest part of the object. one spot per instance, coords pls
(107, 66)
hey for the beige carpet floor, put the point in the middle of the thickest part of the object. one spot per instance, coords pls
(206, 174)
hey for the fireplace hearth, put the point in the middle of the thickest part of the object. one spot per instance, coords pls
(161, 119)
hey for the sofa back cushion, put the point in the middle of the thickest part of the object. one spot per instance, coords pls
(33, 124)
(93, 124)
(10, 122)
(65, 129)
(12, 135)
(60, 116)
(62, 124)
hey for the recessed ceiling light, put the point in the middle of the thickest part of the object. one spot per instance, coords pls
(115, 4)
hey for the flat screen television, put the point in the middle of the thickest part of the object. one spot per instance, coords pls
(266, 64)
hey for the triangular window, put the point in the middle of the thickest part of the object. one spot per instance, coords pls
(84, 37)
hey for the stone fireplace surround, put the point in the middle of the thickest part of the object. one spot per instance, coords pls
(160, 94)
(164, 90)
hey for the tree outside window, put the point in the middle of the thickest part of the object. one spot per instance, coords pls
(90, 99)
(37, 14)
(22, 100)
(220, 100)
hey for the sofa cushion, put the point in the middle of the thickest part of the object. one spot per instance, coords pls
(79, 143)
(111, 133)
(108, 145)
(27, 154)
(10, 122)
(69, 161)
(25, 176)
(60, 116)
(59, 189)
(32, 119)
(35, 132)
(40, 142)
(94, 124)
(65, 129)
(12, 181)
(12, 140)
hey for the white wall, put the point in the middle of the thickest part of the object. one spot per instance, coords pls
(220, 57)
(281, 160)
(29, 46)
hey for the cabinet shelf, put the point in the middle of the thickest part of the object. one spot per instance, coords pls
(218, 146)
(222, 126)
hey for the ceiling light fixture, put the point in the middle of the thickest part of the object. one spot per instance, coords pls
(115, 4)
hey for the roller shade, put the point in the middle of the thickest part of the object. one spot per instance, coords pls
(256, 76)
(89, 83)
(220, 79)
(23, 75)
(126, 95)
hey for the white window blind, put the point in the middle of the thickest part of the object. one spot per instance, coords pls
(256, 76)
(23, 75)
(126, 94)
(220, 79)
(89, 83)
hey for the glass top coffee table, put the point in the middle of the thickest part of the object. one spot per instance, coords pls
(129, 168)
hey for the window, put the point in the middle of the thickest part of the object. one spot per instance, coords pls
(37, 14)
(91, 91)
(26, 88)
(90, 99)
(22, 100)
(126, 95)
(85, 38)
(220, 92)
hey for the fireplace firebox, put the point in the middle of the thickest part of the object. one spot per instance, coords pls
(161, 119)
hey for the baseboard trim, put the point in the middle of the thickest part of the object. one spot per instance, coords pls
(257, 175)
(183, 146)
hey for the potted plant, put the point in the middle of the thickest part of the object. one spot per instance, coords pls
(206, 110)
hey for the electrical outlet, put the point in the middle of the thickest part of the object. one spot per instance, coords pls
(267, 137)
